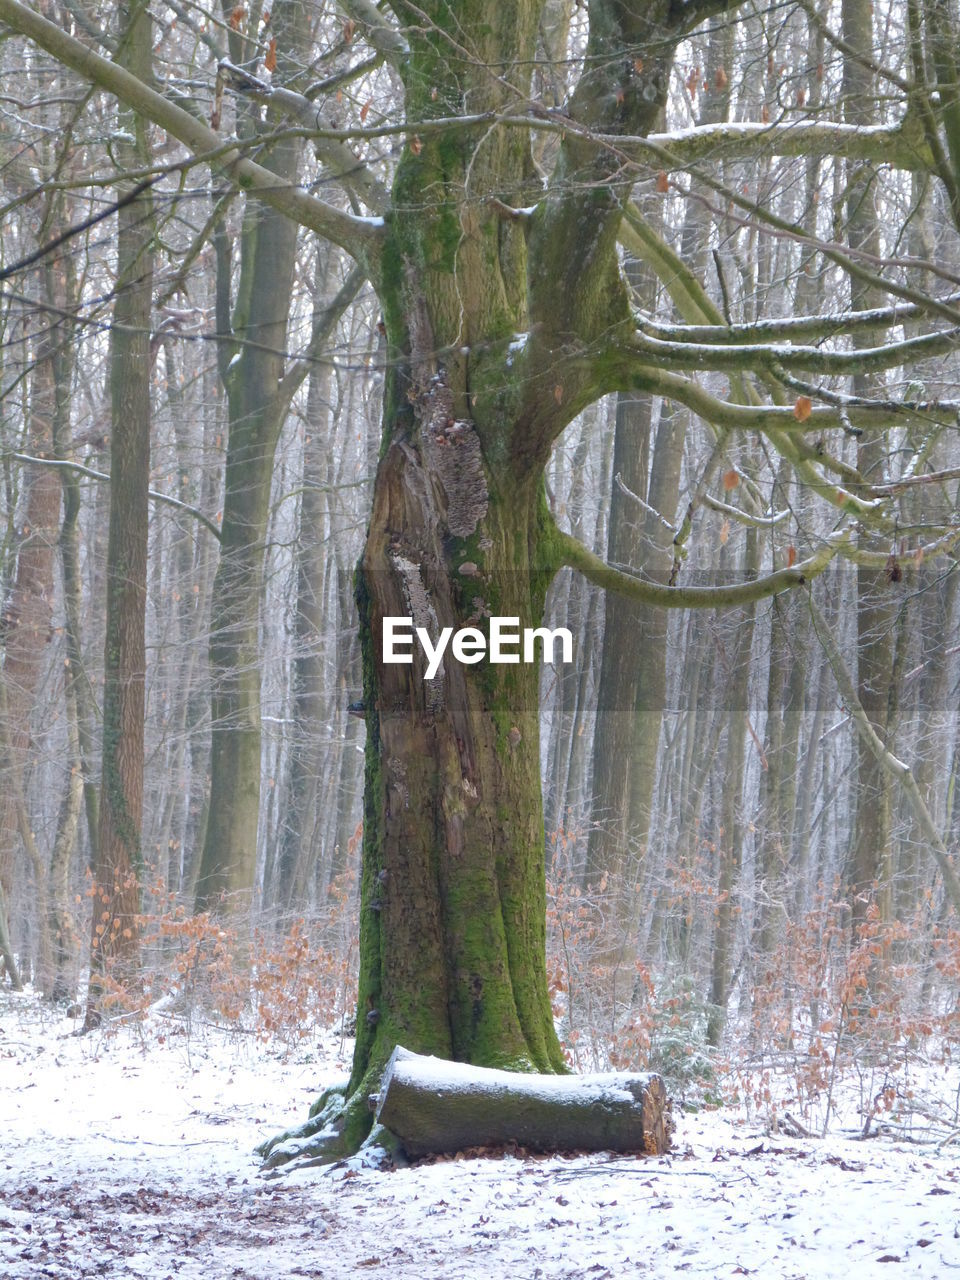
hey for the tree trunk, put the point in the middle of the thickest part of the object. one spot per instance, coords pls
(868, 866)
(735, 682)
(452, 935)
(452, 931)
(25, 626)
(115, 944)
(251, 371)
(6, 946)
(313, 710)
(433, 1106)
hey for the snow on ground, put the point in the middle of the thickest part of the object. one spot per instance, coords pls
(130, 1155)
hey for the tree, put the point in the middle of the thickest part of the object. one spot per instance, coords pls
(115, 942)
(506, 313)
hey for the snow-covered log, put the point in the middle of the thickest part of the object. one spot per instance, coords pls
(435, 1106)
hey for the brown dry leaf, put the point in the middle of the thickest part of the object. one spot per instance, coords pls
(558, 393)
(237, 17)
(416, 146)
(270, 61)
(801, 96)
(693, 82)
(791, 556)
(638, 65)
(663, 183)
(349, 27)
(730, 479)
(764, 114)
(721, 79)
(724, 533)
(803, 408)
(364, 112)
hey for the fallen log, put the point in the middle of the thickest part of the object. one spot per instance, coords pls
(435, 1107)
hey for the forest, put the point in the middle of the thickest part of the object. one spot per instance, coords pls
(637, 320)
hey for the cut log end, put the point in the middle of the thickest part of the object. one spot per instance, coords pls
(435, 1107)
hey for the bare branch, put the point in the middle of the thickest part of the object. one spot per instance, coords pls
(167, 499)
(896, 768)
(790, 327)
(901, 146)
(360, 237)
(744, 517)
(383, 37)
(346, 167)
(577, 556)
(744, 356)
(326, 322)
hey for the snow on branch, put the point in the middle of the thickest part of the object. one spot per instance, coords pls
(360, 237)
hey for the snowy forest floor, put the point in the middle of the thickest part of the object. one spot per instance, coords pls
(131, 1154)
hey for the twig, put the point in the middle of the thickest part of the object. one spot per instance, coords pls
(167, 498)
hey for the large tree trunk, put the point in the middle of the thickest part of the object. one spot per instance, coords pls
(452, 933)
(452, 946)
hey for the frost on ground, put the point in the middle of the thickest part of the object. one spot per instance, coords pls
(131, 1154)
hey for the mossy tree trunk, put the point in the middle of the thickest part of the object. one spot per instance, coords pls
(452, 927)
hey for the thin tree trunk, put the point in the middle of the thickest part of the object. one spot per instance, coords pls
(869, 858)
(252, 376)
(736, 685)
(314, 557)
(115, 942)
(25, 626)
